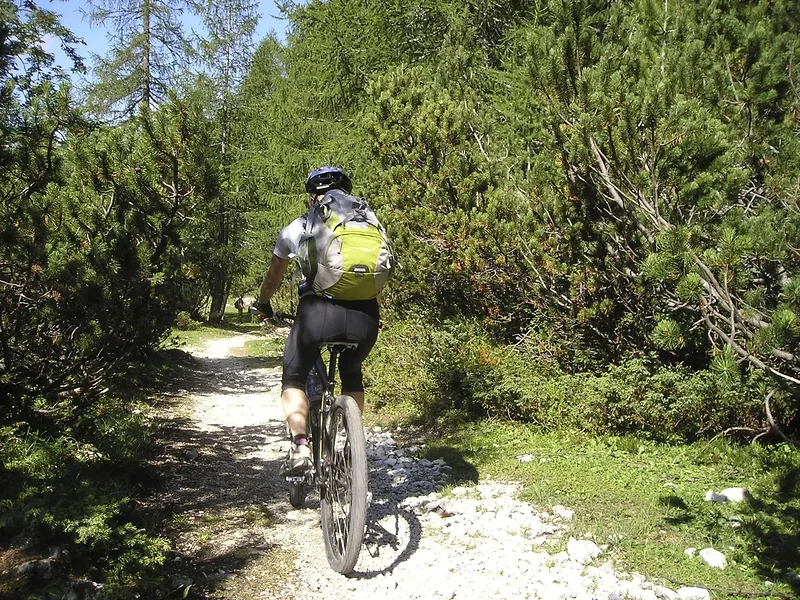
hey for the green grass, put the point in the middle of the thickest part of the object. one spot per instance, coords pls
(647, 501)
(195, 333)
(263, 348)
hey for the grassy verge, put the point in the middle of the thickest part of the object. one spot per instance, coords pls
(194, 334)
(646, 501)
(78, 484)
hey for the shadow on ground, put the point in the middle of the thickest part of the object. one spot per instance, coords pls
(774, 536)
(218, 486)
(216, 500)
(393, 533)
(187, 374)
(770, 529)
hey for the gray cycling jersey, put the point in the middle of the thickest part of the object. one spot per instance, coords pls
(289, 238)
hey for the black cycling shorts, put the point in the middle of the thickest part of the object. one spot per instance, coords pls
(322, 320)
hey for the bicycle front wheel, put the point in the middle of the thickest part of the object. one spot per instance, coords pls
(344, 502)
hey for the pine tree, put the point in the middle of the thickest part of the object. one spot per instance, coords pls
(146, 48)
(664, 123)
(36, 113)
(266, 165)
(227, 52)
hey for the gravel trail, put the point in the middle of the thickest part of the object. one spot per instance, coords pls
(242, 540)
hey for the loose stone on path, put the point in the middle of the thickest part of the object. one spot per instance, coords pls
(424, 540)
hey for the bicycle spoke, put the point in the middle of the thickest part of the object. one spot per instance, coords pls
(340, 484)
(344, 507)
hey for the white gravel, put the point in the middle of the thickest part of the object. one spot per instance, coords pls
(476, 541)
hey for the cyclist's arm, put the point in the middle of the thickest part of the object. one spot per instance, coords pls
(272, 280)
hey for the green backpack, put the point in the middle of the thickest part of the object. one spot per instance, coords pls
(344, 253)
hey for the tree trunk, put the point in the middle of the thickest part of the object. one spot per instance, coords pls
(220, 290)
(146, 91)
(221, 284)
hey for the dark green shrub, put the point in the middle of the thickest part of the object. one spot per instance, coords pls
(671, 403)
(456, 365)
(185, 322)
(82, 496)
(398, 373)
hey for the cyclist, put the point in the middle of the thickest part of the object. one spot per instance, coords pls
(318, 320)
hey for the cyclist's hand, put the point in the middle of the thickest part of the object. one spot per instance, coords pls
(266, 309)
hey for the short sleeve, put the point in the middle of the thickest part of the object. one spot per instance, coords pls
(289, 238)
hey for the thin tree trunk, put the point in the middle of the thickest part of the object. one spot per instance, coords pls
(146, 91)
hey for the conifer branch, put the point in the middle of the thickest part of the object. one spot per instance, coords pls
(616, 193)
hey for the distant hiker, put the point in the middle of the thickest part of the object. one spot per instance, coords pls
(239, 305)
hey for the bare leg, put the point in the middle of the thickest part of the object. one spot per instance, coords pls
(295, 405)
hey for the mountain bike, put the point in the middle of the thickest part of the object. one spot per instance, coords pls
(339, 469)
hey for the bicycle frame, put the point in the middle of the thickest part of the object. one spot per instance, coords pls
(340, 474)
(318, 412)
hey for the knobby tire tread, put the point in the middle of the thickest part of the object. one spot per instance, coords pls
(343, 560)
(297, 495)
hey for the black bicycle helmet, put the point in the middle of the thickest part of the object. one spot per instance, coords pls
(323, 179)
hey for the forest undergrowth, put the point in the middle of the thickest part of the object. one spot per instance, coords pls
(633, 450)
(641, 496)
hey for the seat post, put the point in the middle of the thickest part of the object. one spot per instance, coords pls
(332, 367)
(336, 349)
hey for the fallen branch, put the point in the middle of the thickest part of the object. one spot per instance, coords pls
(772, 423)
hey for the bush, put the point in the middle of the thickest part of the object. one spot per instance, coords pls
(398, 372)
(80, 491)
(671, 403)
(457, 366)
(185, 322)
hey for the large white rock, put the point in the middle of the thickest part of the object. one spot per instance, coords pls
(712, 496)
(664, 593)
(693, 593)
(713, 558)
(736, 494)
(732, 494)
(563, 513)
(634, 593)
(583, 551)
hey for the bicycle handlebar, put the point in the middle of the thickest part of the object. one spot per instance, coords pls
(275, 315)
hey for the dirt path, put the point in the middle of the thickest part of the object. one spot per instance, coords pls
(238, 537)
(222, 448)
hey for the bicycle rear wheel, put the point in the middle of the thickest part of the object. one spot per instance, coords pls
(297, 494)
(344, 502)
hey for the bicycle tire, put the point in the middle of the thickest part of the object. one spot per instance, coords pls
(344, 502)
(297, 495)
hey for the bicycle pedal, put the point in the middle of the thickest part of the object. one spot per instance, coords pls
(295, 479)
